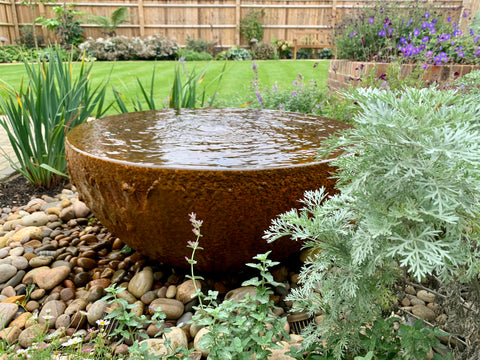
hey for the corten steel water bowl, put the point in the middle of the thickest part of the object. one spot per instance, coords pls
(143, 173)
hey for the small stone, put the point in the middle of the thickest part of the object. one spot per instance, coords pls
(8, 291)
(80, 209)
(121, 349)
(36, 219)
(148, 297)
(40, 261)
(96, 311)
(426, 296)
(51, 310)
(7, 271)
(185, 319)
(81, 279)
(416, 301)
(67, 213)
(21, 320)
(48, 279)
(86, 263)
(78, 320)
(405, 302)
(63, 321)
(171, 292)
(37, 294)
(441, 319)
(240, 293)
(186, 290)
(7, 313)
(162, 292)
(198, 338)
(32, 305)
(177, 338)
(409, 289)
(141, 282)
(18, 251)
(156, 347)
(172, 308)
(76, 306)
(66, 294)
(423, 312)
(19, 262)
(95, 293)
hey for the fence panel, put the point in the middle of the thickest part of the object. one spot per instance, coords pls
(215, 20)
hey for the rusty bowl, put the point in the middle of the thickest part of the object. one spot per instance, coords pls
(143, 173)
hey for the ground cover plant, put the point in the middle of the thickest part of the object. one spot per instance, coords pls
(408, 204)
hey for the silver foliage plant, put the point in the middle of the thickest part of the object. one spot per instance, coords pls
(408, 201)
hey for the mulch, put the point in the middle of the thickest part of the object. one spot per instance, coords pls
(17, 191)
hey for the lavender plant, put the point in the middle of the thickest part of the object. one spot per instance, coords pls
(408, 200)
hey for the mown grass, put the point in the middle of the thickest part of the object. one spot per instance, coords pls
(235, 87)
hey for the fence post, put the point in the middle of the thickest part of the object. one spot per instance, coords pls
(237, 22)
(141, 18)
(42, 12)
(334, 19)
(15, 19)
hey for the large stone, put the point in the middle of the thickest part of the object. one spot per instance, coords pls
(156, 347)
(141, 283)
(198, 338)
(172, 308)
(426, 296)
(27, 232)
(48, 279)
(241, 292)
(7, 271)
(186, 291)
(96, 311)
(177, 338)
(7, 313)
(38, 218)
(10, 334)
(30, 334)
(80, 209)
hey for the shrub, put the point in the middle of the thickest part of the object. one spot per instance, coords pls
(26, 38)
(284, 48)
(238, 53)
(408, 204)
(251, 26)
(199, 45)
(190, 55)
(125, 48)
(64, 24)
(264, 51)
(42, 110)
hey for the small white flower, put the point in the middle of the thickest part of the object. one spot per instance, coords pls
(102, 322)
(48, 317)
(72, 341)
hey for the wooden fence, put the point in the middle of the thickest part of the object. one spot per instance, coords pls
(214, 20)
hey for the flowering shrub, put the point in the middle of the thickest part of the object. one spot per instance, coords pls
(387, 34)
(264, 51)
(125, 48)
(284, 48)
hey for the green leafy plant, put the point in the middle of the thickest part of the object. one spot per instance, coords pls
(40, 112)
(65, 25)
(264, 51)
(408, 182)
(251, 25)
(191, 55)
(199, 45)
(110, 24)
(187, 94)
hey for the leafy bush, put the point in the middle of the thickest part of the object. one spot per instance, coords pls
(238, 53)
(125, 48)
(284, 48)
(26, 38)
(110, 24)
(191, 55)
(199, 45)
(264, 51)
(325, 53)
(65, 25)
(42, 110)
(251, 26)
(408, 201)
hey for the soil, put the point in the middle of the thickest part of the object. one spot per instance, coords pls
(17, 191)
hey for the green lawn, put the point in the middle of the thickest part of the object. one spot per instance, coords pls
(235, 87)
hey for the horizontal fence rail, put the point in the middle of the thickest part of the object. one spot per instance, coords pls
(215, 21)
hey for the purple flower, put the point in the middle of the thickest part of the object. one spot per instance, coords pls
(433, 31)
(416, 32)
(403, 40)
(427, 15)
(457, 32)
(431, 25)
(444, 37)
(477, 52)
(382, 33)
(315, 65)
(294, 93)
(434, 21)
(352, 34)
(461, 54)
(429, 53)
(449, 19)
(424, 66)
(371, 20)
(424, 25)
(425, 39)
(465, 15)
(476, 38)
(390, 30)
(471, 32)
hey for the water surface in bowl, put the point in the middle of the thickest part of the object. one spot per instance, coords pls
(207, 138)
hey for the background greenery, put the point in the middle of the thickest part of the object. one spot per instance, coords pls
(235, 88)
